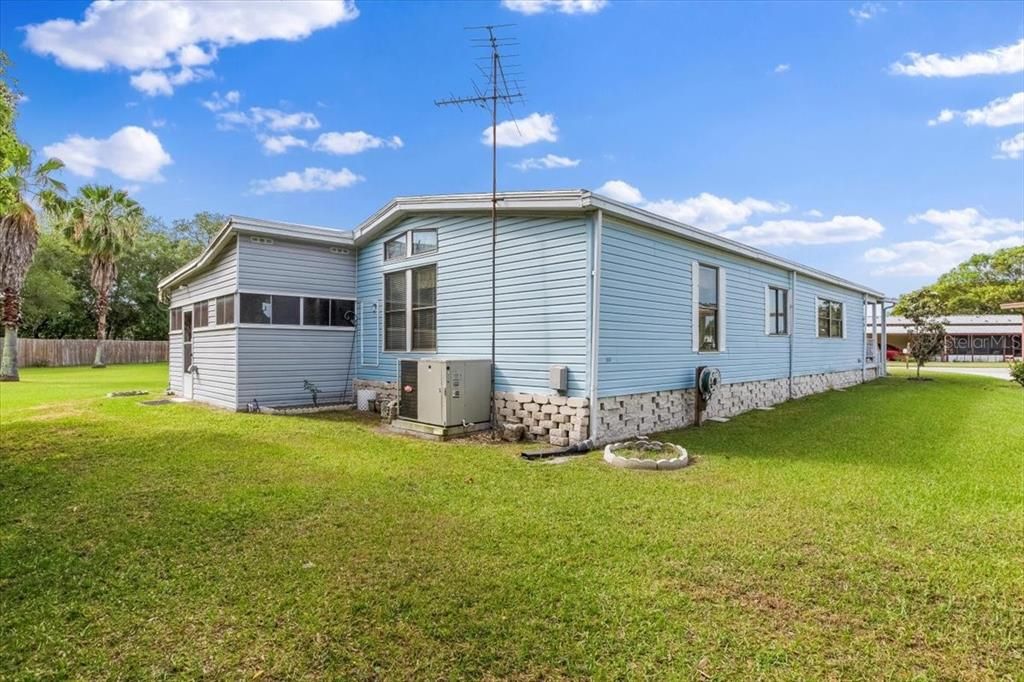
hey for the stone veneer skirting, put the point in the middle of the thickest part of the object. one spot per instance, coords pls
(628, 416)
(563, 421)
(554, 418)
(386, 390)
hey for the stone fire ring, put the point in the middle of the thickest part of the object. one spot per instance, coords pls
(678, 462)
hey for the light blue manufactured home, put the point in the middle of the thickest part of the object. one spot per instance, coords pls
(631, 303)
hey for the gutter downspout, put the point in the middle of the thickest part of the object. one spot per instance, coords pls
(595, 322)
(792, 326)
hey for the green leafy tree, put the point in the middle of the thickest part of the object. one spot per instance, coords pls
(23, 187)
(926, 336)
(51, 301)
(1017, 371)
(104, 222)
(977, 286)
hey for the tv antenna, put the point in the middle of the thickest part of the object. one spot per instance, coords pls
(500, 87)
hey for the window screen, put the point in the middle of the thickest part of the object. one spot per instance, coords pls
(343, 313)
(201, 314)
(285, 309)
(316, 311)
(254, 308)
(226, 310)
(175, 319)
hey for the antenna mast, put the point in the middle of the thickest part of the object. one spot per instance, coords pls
(497, 90)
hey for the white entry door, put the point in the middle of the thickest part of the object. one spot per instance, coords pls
(186, 354)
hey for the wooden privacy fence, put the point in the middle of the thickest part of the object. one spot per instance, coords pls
(70, 352)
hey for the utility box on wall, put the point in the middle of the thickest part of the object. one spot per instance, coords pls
(445, 392)
(558, 378)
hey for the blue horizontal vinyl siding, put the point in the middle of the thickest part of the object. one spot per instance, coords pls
(646, 317)
(298, 268)
(541, 297)
(274, 361)
(813, 355)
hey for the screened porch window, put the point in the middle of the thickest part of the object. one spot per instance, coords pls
(175, 319)
(226, 309)
(201, 314)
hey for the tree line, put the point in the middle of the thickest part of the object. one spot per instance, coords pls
(72, 265)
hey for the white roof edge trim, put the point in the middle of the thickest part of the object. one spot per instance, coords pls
(242, 224)
(568, 200)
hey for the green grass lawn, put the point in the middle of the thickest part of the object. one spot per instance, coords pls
(872, 533)
(897, 364)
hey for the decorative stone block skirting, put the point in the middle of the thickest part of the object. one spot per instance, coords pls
(386, 390)
(554, 418)
(629, 416)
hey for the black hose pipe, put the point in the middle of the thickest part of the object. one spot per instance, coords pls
(580, 448)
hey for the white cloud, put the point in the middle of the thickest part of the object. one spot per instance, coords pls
(721, 215)
(354, 142)
(217, 102)
(523, 131)
(920, 258)
(1002, 111)
(814, 213)
(153, 83)
(547, 161)
(966, 223)
(564, 6)
(781, 68)
(998, 60)
(158, 122)
(710, 212)
(270, 119)
(839, 229)
(21, 98)
(1012, 148)
(279, 144)
(309, 180)
(131, 153)
(620, 190)
(867, 11)
(155, 37)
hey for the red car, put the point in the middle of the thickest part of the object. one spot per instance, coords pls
(893, 353)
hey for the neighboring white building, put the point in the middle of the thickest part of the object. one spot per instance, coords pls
(969, 338)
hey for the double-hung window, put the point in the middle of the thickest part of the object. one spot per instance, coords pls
(830, 319)
(707, 315)
(776, 311)
(410, 310)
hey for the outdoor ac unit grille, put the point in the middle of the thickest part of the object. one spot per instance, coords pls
(408, 399)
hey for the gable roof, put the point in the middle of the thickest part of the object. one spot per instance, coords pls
(576, 200)
(253, 226)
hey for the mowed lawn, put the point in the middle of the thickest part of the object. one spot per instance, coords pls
(872, 533)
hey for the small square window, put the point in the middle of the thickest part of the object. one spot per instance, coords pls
(343, 313)
(316, 311)
(255, 308)
(285, 310)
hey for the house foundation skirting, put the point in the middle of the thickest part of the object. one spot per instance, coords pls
(556, 419)
(386, 390)
(628, 416)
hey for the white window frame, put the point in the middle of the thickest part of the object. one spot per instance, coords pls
(407, 236)
(842, 313)
(695, 305)
(408, 309)
(769, 328)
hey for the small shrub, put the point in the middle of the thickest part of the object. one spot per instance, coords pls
(1017, 371)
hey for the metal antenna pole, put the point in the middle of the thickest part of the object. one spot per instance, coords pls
(500, 93)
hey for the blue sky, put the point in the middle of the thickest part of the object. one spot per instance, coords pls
(879, 141)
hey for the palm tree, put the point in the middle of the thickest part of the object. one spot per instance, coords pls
(22, 187)
(103, 221)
